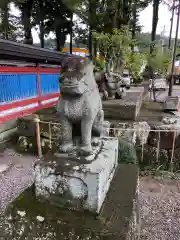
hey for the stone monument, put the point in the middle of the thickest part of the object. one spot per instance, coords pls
(79, 175)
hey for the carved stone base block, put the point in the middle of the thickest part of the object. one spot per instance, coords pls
(127, 108)
(68, 183)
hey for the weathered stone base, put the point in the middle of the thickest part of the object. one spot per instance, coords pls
(75, 185)
(118, 220)
(124, 109)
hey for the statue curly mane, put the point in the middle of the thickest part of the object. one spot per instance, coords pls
(73, 67)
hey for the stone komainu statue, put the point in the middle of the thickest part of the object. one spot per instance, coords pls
(80, 105)
(109, 85)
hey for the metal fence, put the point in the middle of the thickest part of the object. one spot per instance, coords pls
(24, 90)
(18, 83)
(132, 134)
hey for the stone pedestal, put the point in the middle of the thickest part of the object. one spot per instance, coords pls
(127, 108)
(172, 104)
(69, 183)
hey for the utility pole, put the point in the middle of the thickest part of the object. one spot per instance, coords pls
(172, 20)
(174, 52)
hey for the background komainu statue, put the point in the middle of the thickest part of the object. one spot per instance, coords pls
(110, 85)
(80, 104)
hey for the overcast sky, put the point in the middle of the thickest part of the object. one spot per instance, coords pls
(145, 21)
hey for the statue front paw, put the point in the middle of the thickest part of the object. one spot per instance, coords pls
(66, 148)
(86, 150)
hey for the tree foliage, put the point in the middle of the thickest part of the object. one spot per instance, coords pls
(112, 28)
(115, 44)
(10, 25)
(161, 60)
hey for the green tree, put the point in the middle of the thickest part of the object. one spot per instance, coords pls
(161, 60)
(5, 24)
(74, 7)
(10, 25)
(26, 8)
(114, 46)
(133, 61)
(39, 15)
(136, 7)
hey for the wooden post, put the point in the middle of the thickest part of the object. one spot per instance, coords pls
(38, 137)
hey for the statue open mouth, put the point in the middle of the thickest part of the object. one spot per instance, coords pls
(73, 89)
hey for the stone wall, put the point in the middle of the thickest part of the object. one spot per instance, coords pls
(8, 130)
(150, 146)
(159, 151)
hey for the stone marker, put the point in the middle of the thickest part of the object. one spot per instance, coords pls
(80, 173)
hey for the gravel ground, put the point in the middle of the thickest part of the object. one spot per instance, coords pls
(16, 178)
(160, 209)
(159, 198)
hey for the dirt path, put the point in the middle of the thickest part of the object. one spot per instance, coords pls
(160, 209)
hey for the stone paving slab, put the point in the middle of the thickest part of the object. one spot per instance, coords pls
(16, 175)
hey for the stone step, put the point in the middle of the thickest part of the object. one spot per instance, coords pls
(8, 125)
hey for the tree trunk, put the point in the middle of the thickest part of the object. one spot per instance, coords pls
(42, 33)
(92, 24)
(41, 23)
(5, 19)
(90, 42)
(156, 4)
(60, 39)
(134, 20)
(94, 50)
(58, 46)
(26, 9)
(71, 34)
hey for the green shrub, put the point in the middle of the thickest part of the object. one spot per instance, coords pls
(127, 152)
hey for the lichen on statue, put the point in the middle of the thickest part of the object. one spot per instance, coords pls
(80, 105)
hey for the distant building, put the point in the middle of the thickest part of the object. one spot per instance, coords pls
(78, 51)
